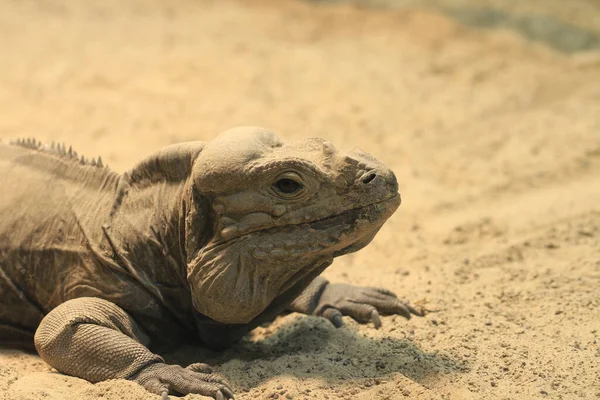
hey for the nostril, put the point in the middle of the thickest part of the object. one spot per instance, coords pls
(369, 178)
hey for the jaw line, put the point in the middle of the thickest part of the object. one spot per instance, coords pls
(395, 196)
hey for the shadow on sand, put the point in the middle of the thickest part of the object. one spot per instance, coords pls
(310, 347)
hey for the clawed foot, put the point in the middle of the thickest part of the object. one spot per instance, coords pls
(364, 304)
(198, 378)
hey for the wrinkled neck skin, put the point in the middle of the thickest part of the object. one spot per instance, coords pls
(148, 236)
(234, 281)
(234, 286)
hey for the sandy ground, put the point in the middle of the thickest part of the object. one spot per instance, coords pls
(495, 140)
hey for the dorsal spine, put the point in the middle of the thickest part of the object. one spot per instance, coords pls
(58, 150)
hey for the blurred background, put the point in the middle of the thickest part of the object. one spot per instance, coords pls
(488, 111)
(468, 94)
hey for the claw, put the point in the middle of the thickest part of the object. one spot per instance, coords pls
(219, 395)
(164, 395)
(403, 310)
(337, 321)
(228, 393)
(375, 318)
(335, 316)
(414, 310)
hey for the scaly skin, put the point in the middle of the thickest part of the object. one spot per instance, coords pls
(198, 243)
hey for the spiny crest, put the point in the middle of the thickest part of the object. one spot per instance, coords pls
(59, 150)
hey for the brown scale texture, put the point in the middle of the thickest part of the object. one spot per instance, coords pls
(93, 339)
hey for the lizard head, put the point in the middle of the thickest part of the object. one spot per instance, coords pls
(281, 211)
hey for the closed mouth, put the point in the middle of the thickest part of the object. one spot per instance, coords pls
(366, 212)
(352, 214)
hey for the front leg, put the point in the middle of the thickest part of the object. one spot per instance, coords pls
(96, 340)
(364, 304)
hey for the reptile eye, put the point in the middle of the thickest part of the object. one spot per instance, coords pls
(290, 185)
(287, 186)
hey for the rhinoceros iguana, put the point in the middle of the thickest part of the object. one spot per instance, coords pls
(198, 243)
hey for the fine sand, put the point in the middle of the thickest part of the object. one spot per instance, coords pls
(494, 138)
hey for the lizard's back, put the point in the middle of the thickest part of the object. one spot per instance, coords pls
(51, 207)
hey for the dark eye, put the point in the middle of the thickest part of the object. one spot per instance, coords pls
(287, 186)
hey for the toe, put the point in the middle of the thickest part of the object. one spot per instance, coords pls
(414, 311)
(386, 292)
(199, 383)
(401, 309)
(227, 392)
(157, 387)
(334, 315)
(375, 318)
(200, 367)
(361, 312)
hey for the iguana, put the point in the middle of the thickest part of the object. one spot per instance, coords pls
(197, 243)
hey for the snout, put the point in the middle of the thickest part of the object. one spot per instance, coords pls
(378, 180)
